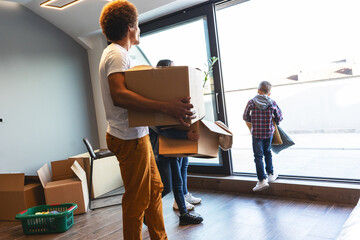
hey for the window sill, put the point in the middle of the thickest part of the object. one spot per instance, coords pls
(335, 192)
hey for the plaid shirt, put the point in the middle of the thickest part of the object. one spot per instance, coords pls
(262, 120)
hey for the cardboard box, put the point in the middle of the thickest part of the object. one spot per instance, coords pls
(166, 83)
(62, 169)
(106, 173)
(70, 190)
(207, 146)
(16, 196)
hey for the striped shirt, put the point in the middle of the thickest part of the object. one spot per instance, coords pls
(262, 120)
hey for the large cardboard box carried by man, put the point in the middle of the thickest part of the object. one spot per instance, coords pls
(16, 195)
(69, 190)
(165, 83)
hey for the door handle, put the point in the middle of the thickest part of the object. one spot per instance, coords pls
(217, 103)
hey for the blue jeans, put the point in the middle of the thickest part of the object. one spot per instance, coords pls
(184, 169)
(171, 176)
(164, 167)
(262, 147)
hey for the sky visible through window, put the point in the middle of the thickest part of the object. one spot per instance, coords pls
(280, 38)
(184, 44)
(309, 50)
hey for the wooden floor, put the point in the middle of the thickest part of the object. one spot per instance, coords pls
(227, 216)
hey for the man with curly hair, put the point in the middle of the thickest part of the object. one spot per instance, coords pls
(142, 182)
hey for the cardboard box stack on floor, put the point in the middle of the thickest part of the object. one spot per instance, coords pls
(67, 182)
(106, 173)
(16, 195)
(207, 146)
(70, 186)
(166, 83)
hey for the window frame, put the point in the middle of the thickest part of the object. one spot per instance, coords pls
(208, 10)
(218, 5)
(202, 10)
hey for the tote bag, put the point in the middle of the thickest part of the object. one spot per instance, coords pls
(286, 142)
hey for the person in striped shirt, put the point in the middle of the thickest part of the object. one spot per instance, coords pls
(261, 111)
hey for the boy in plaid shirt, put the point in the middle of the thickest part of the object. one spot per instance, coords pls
(260, 112)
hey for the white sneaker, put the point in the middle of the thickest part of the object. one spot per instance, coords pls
(272, 177)
(189, 206)
(261, 185)
(191, 199)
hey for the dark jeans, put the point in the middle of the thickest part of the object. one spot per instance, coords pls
(184, 169)
(262, 147)
(171, 176)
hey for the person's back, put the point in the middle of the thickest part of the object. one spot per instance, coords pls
(262, 112)
(262, 109)
(170, 167)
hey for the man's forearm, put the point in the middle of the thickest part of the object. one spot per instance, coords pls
(133, 101)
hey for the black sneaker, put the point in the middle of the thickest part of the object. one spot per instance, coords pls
(190, 218)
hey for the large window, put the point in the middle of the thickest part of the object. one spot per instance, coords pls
(310, 52)
(186, 44)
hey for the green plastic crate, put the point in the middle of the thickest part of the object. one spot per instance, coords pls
(47, 223)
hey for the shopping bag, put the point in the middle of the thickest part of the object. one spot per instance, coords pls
(286, 141)
(276, 138)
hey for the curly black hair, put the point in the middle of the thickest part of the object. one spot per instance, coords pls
(164, 63)
(116, 17)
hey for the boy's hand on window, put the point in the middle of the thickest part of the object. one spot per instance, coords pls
(193, 135)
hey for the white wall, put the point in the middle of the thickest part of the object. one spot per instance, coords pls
(98, 44)
(46, 99)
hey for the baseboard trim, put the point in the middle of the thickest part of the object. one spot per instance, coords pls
(342, 193)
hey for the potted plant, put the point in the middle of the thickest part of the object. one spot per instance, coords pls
(208, 73)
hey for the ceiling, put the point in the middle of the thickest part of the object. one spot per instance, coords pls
(81, 20)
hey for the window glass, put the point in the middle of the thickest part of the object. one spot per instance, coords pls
(186, 44)
(138, 57)
(310, 52)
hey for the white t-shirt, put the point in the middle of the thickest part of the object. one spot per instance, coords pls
(116, 59)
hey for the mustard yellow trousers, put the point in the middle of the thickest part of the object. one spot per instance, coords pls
(143, 187)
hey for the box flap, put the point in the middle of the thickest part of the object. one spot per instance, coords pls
(62, 169)
(196, 93)
(80, 173)
(215, 128)
(12, 182)
(44, 175)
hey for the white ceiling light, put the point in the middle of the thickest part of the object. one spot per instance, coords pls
(59, 4)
